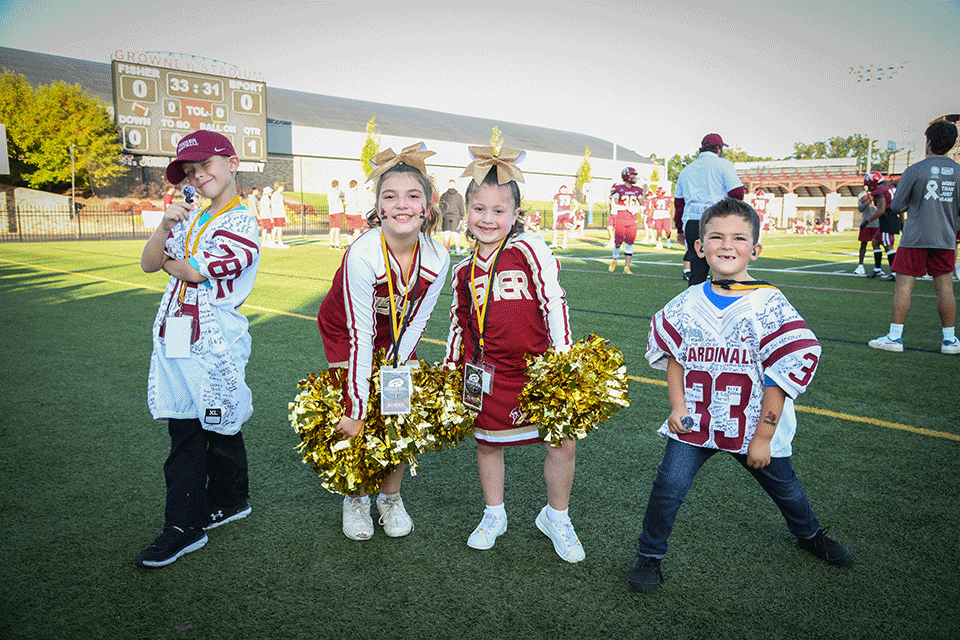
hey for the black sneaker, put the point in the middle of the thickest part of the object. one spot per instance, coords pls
(221, 516)
(888, 277)
(827, 549)
(172, 543)
(645, 576)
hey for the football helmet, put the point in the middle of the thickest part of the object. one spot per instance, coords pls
(629, 175)
(873, 180)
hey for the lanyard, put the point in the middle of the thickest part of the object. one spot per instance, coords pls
(398, 324)
(742, 285)
(187, 249)
(482, 308)
(192, 251)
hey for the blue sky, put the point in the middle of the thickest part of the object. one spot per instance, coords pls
(652, 75)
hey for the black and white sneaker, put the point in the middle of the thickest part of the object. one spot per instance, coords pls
(223, 516)
(172, 543)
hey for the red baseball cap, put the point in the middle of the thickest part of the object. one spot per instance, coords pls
(713, 140)
(196, 147)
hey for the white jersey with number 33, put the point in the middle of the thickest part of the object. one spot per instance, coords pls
(727, 354)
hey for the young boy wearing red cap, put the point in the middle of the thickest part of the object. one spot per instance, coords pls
(201, 346)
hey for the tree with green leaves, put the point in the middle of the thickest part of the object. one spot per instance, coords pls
(44, 123)
(584, 174)
(496, 139)
(371, 146)
(853, 146)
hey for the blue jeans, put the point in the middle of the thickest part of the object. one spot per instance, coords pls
(681, 461)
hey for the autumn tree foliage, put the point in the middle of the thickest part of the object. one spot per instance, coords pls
(43, 123)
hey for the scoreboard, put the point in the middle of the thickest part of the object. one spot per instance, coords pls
(155, 107)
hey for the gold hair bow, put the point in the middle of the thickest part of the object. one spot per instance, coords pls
(485, 158)
(415, 155)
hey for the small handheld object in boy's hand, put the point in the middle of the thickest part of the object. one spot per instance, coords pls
(188, 194)
(687, 423)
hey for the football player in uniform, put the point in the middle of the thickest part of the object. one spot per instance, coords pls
(626, 199)
(532, 221)
(647, 217)
(564, 205)
(890, 223)
(662, 221)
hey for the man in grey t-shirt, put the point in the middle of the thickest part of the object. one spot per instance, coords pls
(927, 191)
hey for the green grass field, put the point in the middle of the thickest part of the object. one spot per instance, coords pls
(81, 482)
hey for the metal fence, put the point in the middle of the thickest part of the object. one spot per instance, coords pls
(25, 223)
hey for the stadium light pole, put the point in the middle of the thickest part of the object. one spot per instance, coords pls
(872, 75)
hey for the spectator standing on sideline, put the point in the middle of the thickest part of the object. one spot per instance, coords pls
(702, 183)
(279, 210)
(266, 219)
(452, 209)
(927, 191)
(253, 205)
(353, 205)
(335, 210)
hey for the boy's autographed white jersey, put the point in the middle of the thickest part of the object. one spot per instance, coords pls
(727, 354)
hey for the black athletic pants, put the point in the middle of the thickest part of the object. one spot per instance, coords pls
(698, 266)
(205, 471)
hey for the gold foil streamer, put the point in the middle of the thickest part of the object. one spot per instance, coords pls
(570, 393)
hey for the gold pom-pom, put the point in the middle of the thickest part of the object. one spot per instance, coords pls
(439, 394)
(570, 393)
(437, 419)
(344, 466)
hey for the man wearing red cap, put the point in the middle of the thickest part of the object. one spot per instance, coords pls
(702, 183)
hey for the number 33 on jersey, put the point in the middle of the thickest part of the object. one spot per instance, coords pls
(727, 355)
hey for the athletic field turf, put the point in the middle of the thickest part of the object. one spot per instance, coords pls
(81, 482)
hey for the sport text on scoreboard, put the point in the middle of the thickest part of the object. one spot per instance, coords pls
(156, 107)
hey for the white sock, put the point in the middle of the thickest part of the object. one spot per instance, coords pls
(949, 334)
(386, 496)
(496, 510)
(557, 516)
(363, 499)
(896, 331)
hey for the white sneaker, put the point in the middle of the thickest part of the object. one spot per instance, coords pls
(486, 533)
(859, 270)
(393, 517)
(950, 347)
(887, 343)
(357, 523)
(565, 541)
(659, 245)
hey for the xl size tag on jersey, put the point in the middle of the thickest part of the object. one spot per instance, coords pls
(396, 387)
(177, 333)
